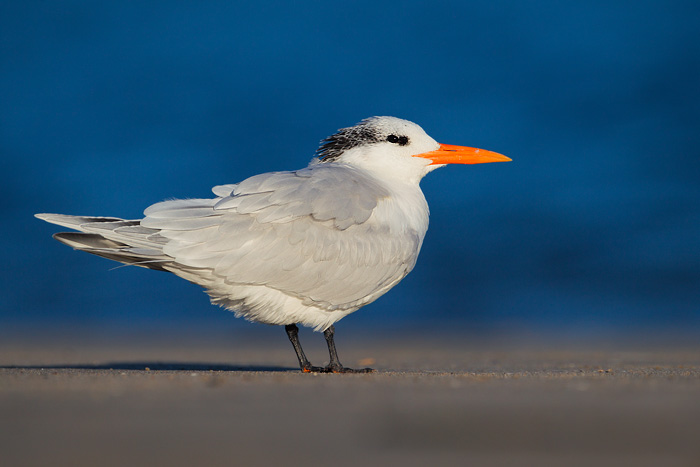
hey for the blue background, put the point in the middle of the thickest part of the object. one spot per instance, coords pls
(107, 107)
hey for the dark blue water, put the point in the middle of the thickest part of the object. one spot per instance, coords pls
(106, 108)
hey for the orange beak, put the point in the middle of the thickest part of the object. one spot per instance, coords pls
(449, 154)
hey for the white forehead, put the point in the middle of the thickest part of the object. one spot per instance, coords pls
(393, 125)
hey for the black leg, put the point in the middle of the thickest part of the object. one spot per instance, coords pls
(293, 333)
(335, 366)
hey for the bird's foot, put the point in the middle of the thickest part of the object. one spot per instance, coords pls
(343, 369)
(335, 369)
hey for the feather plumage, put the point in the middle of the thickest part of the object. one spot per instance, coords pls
(308, 235)
(306, 246)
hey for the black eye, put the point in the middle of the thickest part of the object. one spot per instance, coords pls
(400, 140)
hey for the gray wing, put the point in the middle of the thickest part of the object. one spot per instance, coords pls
(113, 238)
(307, 233)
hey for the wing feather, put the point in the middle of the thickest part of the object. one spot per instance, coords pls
(223, 190)
(305, 233)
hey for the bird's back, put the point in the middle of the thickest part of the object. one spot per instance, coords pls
(308, 246)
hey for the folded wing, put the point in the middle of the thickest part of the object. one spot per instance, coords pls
(308, 233)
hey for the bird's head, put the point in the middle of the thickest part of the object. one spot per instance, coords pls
(395, 147)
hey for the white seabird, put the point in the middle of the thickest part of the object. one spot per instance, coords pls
(306, 247)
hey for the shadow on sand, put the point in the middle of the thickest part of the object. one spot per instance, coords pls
(153, 366)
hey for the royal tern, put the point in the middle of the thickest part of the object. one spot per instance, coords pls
(305, 247)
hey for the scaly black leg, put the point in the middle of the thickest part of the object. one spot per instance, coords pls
(293, 333)
(335, 366)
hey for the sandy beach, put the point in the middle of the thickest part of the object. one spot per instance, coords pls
(173, 401)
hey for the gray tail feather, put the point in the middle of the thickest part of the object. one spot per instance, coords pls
(112, 238)
(74, 222)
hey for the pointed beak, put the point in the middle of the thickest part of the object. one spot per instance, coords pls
(449, 154)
